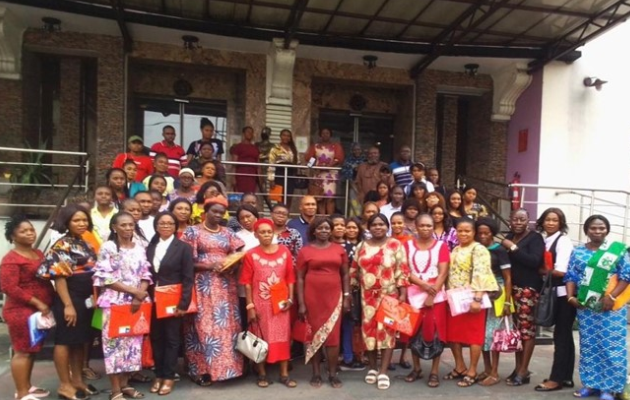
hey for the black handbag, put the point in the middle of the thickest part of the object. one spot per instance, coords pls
(544, 314)
(427, 350)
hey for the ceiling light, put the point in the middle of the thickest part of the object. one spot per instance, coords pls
(471, 69)
(51, 24)
(370, 61)
(191, 42)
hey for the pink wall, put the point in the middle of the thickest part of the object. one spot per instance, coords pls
(526, 117)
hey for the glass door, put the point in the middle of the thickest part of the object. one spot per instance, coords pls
(366, 129)
(153, 114)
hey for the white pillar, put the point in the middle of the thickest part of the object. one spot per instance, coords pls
(279, 93)
(509, 83)
(11, 31)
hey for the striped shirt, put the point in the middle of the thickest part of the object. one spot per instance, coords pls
(402, 173)
(175, 153)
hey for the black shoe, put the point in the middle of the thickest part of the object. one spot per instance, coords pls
(519, 380)
(391, 367)
(544, 388)
(568, 384)
(351, 366)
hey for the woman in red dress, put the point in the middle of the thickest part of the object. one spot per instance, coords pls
(246, 151)
(323, 268)
(25, 295)
(263, 267)
(380, 268)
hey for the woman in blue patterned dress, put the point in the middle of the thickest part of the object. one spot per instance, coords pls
(603, 352)
(210, 333)
(122, 276)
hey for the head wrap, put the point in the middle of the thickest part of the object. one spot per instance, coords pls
(215, 200)
(187, 171)
(263, 221)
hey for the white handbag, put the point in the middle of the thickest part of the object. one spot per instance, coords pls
(252, 346)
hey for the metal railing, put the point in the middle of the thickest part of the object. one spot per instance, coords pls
(579, 203)
(342, 186)
(12, 174)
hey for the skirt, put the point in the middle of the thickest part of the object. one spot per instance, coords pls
(79, 288)
(466, 328)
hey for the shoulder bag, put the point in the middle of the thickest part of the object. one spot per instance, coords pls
(427, 350)
(252, 346)
(544, 313)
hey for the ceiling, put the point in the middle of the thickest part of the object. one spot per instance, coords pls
(411, 34)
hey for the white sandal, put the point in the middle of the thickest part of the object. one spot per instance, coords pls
(383, 382)
(29, 397)
(370, 378)
(36, 392)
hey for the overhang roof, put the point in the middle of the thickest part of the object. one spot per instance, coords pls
(541, 30)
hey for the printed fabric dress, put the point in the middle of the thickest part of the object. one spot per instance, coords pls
(262, 271)
(210, 334)
(325, 154)
(500, 261)
(603, 350)
(129, 267)
(380, 271)
(72, 258)
(470, 267)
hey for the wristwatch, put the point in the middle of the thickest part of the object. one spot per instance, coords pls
(513, 247)
(346, 294)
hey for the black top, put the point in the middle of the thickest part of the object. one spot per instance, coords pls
(527, 260)
(499, 256)
(176, 267)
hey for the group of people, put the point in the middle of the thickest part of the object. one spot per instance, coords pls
(413, 241)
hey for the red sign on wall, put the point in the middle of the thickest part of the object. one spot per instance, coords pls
(522, 140)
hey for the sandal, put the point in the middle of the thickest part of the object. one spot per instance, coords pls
(335, 382)
(518, 381)
(288, 382)
(117, 396)
(586, 392)
(544, 388)
(157, 384)
(370, 378)
(89, 374)
(490, 381)
(36, 392)
(138, 377)
(606, 396)
(413, 376)
(262, 381)
(316, 381)
(454, 374)
(467, 381)
(29, 397)
(132, 393)
(382, 382)
(482, 376)
(167, 387)
(434, 381)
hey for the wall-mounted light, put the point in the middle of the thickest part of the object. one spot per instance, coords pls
(191, 42)
(51, 24)
(370, 61)
(471, 69)
(591, 81)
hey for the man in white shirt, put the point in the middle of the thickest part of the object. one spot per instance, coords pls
(146, 222)
(417, 172)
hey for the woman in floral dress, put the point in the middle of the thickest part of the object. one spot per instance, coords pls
(123, 276)
(380, 268)
(209, 334)
(263, 267)
(326, 154)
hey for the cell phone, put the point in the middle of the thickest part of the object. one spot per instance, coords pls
(311, 162)
(89, 303)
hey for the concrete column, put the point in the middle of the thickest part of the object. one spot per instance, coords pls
(279, 90)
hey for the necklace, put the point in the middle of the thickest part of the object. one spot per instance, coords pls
(210, 230)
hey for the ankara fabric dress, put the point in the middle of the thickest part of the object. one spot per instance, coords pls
(380, 271)
(210, 334)
(129, 267)
(603, 352)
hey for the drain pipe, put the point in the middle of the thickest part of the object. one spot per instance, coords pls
(125, 100)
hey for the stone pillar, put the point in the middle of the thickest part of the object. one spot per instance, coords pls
(279, 91)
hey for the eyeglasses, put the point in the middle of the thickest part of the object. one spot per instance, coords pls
(166, 224)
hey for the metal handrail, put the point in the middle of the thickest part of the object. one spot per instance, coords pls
(57, 152)
(568, 188)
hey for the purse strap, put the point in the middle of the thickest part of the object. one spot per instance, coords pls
(260, 333)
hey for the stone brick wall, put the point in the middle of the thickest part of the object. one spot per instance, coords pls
(11, 116)
(449, 141)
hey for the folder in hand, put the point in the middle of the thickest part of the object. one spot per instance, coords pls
(122, 322)
(167, 299)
